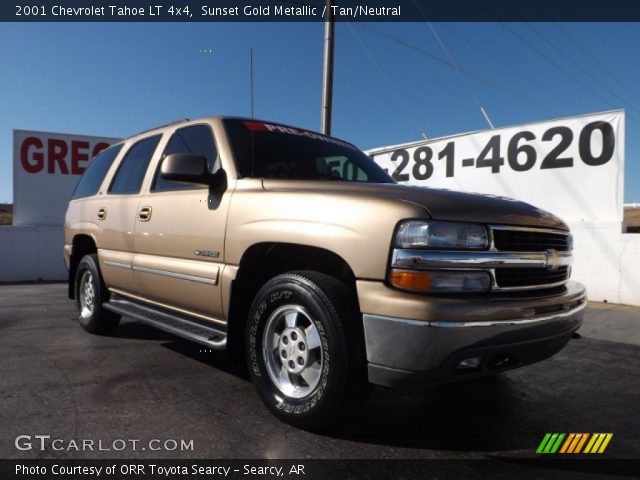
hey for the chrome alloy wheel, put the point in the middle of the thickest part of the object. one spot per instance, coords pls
(292, 351)
(87, 294)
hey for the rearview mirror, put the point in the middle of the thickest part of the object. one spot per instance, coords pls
(185, 167)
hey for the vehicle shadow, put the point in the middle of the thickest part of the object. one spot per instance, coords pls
(584, 388)
(218, 359)
(140, 331)
(508, 412)
(132, 329)
(465, 416)
(475, 415)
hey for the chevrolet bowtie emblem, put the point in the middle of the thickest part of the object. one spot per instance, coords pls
(554, 260)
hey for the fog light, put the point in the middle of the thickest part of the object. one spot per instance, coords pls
(470, 363)
(452, 282)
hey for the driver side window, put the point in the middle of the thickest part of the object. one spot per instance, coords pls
(196, 140)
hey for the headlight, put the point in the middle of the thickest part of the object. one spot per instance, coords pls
(443, 281)
(441, 235)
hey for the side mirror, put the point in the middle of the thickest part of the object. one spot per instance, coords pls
(185, 167)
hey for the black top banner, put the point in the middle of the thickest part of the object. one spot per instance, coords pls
(317, 10)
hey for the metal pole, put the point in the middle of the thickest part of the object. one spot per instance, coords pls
(327, 71)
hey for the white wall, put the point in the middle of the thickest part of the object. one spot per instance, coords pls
(607, 261)
(31, 253)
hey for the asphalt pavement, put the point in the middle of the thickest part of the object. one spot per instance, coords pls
(142, 384)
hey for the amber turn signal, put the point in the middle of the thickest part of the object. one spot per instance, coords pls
(413, 281)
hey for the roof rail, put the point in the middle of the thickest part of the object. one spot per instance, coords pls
(162, 126)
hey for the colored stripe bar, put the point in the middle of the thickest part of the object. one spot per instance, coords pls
(543, 443)
(567, 443)
(555, 447)
(606, 442)
(591, 442)
(574, 443)
(581, 443)
(599, 440)
(550, 443)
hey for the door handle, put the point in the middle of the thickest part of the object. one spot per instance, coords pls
(144, 215)
(102, 213)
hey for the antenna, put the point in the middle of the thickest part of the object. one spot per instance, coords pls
(486, 117)
(251, 78)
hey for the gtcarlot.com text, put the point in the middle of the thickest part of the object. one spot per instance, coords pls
(47, 442)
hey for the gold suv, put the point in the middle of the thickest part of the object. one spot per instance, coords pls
(297, 252)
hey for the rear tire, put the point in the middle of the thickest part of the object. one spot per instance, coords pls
(90, 293)
(305, 349)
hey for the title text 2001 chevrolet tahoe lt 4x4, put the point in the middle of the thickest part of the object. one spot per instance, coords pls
(297, 251)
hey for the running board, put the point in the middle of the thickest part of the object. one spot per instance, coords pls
(171, 322)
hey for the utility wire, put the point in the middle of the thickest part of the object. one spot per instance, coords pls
(506, 64)
(462, 76)
(546, 57)
(596, 61)
(456, 66)
(469, 73)
(585, 51)
(580, 67)
(562, 69)
(558, 66)
(554, 63)
(388, 82)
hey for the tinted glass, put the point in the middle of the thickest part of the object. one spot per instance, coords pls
(94, 174)
(197, 140)
(265, 150)
(133, 167)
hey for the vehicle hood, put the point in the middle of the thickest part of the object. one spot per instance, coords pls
(439, 204)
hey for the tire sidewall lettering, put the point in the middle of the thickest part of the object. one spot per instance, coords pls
(260, 313)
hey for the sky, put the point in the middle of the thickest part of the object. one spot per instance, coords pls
(118, 79)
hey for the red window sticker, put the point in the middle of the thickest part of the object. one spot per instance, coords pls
(268, 127)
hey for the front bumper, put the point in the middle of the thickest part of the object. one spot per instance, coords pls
(504, 332)
(68, 250)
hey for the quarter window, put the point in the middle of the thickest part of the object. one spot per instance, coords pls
(94, 174)
(197, 140)
(129, 178)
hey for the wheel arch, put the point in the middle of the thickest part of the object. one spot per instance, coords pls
(82, 245)
(263, 261)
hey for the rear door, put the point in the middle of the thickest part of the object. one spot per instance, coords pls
(180, 228)
(116, 211)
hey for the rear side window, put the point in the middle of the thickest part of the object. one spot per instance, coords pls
(90, 182)
(133, 167)
(197, 140)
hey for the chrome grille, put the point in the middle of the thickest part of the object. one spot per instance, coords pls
(530, 240)
(530, 277)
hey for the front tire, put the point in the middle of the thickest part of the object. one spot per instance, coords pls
(90, 293)
(304, 349)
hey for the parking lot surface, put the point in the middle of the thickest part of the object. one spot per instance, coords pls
(143, 384)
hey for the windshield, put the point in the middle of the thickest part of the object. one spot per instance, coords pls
(267, 150)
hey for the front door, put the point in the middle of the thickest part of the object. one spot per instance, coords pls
(179, 234)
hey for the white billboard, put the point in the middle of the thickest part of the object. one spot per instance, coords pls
(572, 167)
(46, 168)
